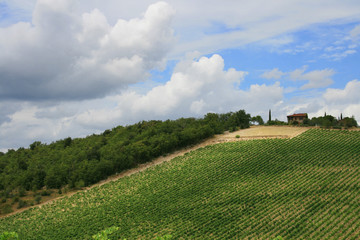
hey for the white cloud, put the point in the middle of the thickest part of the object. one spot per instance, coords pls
(349, 95)
(253, 21)
(273, 74)
(316, 78)
(345, 101)
(63, 55)
(355, 33)
(339, 55)
(332, 48)
(195, 88)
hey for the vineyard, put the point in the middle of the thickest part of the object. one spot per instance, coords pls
(307, 187)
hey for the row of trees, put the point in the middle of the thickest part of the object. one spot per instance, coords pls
(330, 121)
(326, 121)
(81, 162)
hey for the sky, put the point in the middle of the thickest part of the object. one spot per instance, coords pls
(74, 68)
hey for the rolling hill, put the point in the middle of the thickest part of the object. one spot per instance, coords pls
(306, 187)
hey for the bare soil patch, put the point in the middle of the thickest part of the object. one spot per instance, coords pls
(254, 132)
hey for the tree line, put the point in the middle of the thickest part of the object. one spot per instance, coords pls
(79, 162)
(326, 121)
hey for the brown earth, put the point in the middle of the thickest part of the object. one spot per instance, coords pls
(254, 132)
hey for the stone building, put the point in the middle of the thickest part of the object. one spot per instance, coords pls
(298, 117)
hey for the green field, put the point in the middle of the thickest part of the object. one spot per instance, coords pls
(307, 187)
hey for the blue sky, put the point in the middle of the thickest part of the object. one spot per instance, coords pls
(75, 68)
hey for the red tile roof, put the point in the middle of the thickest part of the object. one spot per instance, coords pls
(298, 115)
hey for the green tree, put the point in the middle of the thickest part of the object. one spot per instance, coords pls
(348, 122)
(257, 119)
(34, 145)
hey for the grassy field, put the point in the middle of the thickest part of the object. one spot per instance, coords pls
(306, 187)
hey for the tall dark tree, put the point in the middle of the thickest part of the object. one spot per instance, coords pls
(270, 115)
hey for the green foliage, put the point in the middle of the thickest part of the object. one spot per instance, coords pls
(257, 119)
(166, 237)
(329, 121)
(45, 193)
(103, 235)
(6, 208)
(37, 199)
(306, 187)
(278, 238)
(326, 121)
(34, 145)
(67, 142)
(80, 162)
(9, 236)
(276, 122)
(22, 204)
(348, 122)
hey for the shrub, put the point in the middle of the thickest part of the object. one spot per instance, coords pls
(22, 192)
(15, 200)
(6, 209)
(22, 204)
(37, 199)
(45, 193)
(80, 184)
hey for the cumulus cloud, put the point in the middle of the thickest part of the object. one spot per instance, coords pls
(196, 87)
(345, 101)
(63, 55)
(349, 95)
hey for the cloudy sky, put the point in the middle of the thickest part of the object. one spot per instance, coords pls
(73, 68)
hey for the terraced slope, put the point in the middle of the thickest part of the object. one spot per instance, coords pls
(307, 187)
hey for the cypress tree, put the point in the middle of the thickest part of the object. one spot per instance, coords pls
(269, 115)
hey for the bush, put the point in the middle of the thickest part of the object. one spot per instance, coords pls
(15, 200)
(45, 193)
(6, 209)
(37, 199)
(22, 192)
(80, 184)
(22, 204)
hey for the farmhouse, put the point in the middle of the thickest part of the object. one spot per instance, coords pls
(298, 117)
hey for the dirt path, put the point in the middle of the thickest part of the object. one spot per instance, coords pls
(254, 132)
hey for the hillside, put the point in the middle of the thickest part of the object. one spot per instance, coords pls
(29, 176)
(305, 187)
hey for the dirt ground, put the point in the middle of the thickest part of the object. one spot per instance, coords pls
(254, 132)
